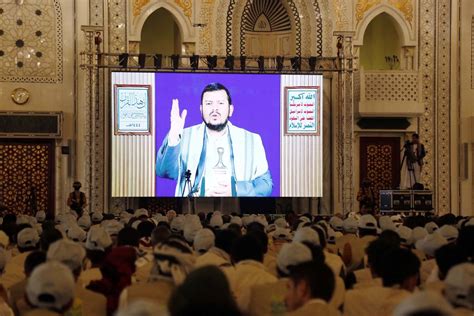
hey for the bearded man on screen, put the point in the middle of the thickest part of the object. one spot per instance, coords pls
(218, 158)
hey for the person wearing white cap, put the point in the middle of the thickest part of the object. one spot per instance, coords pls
(84, 222)
(50, 290)
(336, 223)
(4, 308)
(76, 234)
(203, 241)
(97, 217)
(449, 232)
(350, 246)
(141, 213)
(424, 303)
(27, 241)
(72, 254)
(216, 221)
(310, 288)
(40, 216)
(459, 288)
(236, 220)
(281, 222)
(177, 225)
(191, 227)
(268, 298)
(143, 307)
(399, 269)
(173, 260)
(386, 223)
(428, 246)
(406, 236)
(98, 243)
(431, 227)
(112, 227)
(367, 228)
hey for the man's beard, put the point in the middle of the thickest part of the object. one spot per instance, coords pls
(216, 127)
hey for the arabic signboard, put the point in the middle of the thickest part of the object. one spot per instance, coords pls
(132, 109)
(302, 110)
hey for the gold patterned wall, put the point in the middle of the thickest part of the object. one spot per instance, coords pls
(26, 176)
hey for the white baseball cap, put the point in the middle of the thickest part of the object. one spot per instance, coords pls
(367, 221)
(236, 220)
(431, 243)
(28, 237)
(142, 307)
(424, 301)
(292, 254)
(68, 252)
(216, 221)
(51, 285)
(419, 233)
(470, 222)
(177, 224)
(76, 233)
(191, 226)
(459, 285)
(84, 221)
(386, 223)
(282, 234)
(449, 232)
(350, 225)
(97, 216)
(431, 227)
(281, 222)
(140, 212)
(336, 223)
(204, 240)
(112, 226)
(98, 238)
(307, 234)
(406, 235)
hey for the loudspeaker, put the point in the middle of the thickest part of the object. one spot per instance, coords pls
(422, 200)
(402, 200)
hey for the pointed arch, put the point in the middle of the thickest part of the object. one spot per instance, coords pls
(402, 26)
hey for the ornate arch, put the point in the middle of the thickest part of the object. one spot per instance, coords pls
(184, 23)
(403, 27)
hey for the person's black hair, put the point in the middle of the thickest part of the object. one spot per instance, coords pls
(465, 242)
(428, 312)
(321, 234)
(367, 232)
(415, 135)
(32, 260)
(160, 234)
(202, 217)
(226, 218)
(398, 265)
(262, 237)
(145, 228)
(247, 247)
(48, 237)
(376, 250)
(130, 211)
(447, 219)
(96, 256)
(319, 278)
(164, 224)
(391, 238)
(317, 252)
(255, 226)
(225, 239)
(209, 216)
(189, 299)
(9, 218)
(447, 257)
(128, 236)
(236, 228)
(215, 86)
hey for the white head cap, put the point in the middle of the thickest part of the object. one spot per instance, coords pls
(142, 307)
(177, 224)
(430, 244)
(4, 239)
(51, 286)
(459, 289)
(449, 232)
(350, 225)
(97, 217)
(68, 252)
(281, 222)
(112, 226)
(307, 234)
(470, 222)
(431, 227)
(27, 237)
(22, 219)
(367, 221)
(191, 226)
(77, 234)
(386, 223)
(336, 223)
(292, 254)
(204, 240)
(216, 221)
(419, 233)
(282, 234)
(3, 259)
(140, 212)
(236, 220)
(98, 238)
(40, 216)
(426, 301)
(84, 221)
(406, 235)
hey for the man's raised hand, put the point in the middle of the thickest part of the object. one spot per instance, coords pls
(177, 123)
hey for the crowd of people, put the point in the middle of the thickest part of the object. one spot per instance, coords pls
(136, 263)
